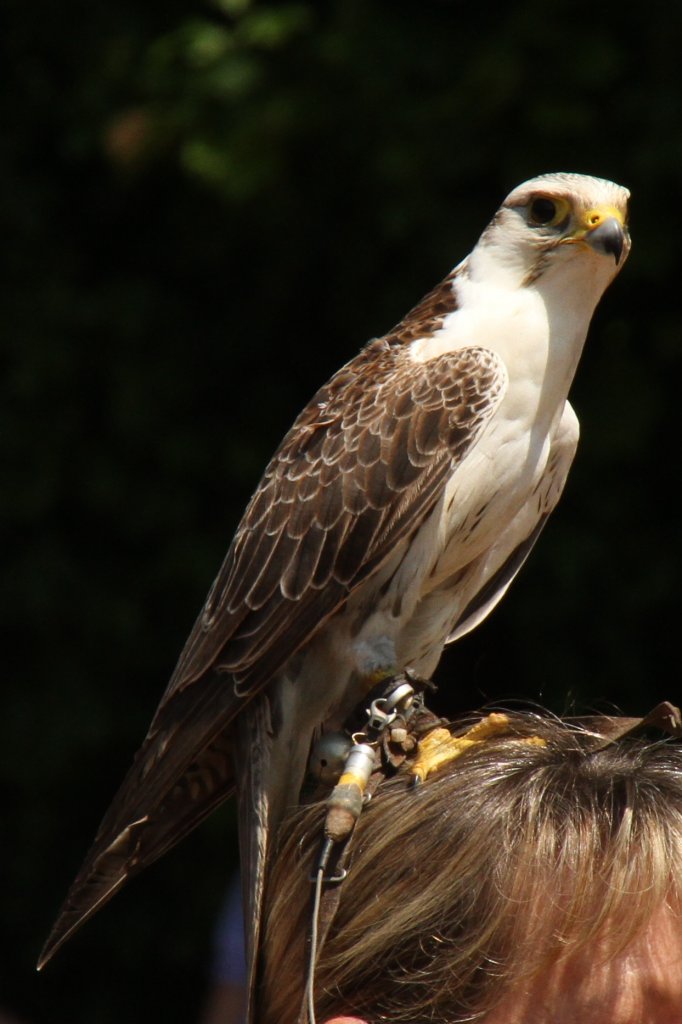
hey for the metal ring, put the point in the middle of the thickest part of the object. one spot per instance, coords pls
(400, 692)
(378, 717)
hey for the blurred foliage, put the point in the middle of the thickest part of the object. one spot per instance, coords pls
(206, 209)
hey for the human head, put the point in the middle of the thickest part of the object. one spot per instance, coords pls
(512, 863)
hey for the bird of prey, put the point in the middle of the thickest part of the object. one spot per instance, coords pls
(389, 522)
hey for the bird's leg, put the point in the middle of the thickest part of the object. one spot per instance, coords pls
(370, 747)
(388, 691)
(439, 746)
(384, 737)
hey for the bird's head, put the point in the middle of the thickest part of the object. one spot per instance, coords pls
(563, 222)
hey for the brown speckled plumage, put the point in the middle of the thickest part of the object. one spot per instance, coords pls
(428, 315)
(363, 463)
(392, 518)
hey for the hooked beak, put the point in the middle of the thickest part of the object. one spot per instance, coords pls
(603, 229)
(608, 237)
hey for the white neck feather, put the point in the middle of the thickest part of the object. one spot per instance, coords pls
(538, 329)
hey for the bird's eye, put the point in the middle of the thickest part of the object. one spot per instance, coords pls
(542, 211)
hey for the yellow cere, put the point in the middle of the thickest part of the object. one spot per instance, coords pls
(591, 219)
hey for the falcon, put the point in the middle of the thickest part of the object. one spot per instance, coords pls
(390, 521)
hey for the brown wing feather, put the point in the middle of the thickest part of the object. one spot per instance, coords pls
(362, 466)
(182, 772)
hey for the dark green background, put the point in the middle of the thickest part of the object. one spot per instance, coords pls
(205, 210)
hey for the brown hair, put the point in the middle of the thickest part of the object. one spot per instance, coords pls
(506, 860)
